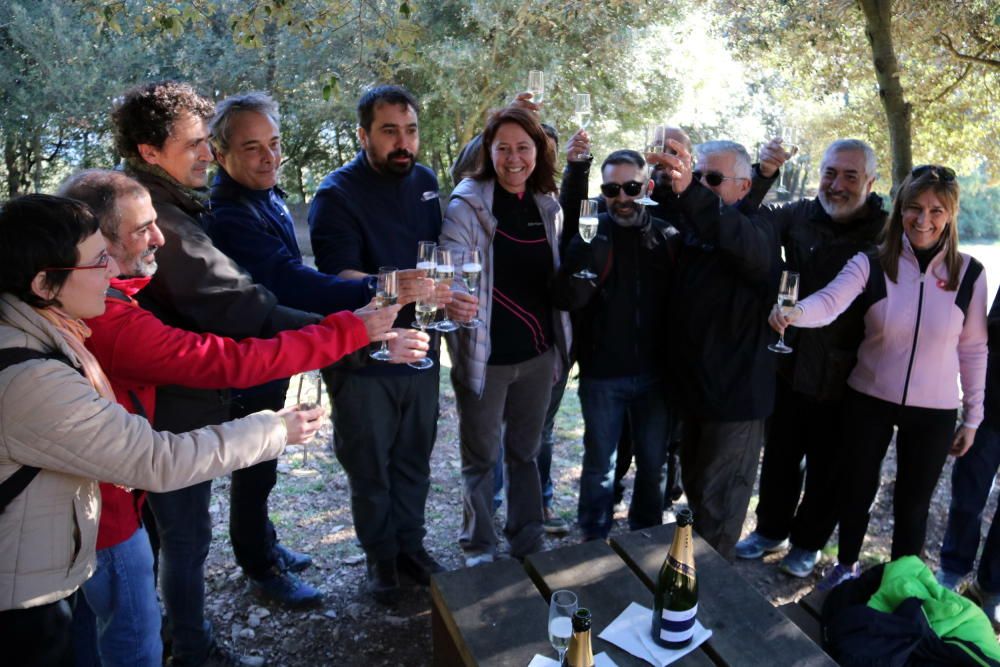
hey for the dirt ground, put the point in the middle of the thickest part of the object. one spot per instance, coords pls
(311, 510)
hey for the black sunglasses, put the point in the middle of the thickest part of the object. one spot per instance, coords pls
(631, 188)
(713, 178)
(943, 174)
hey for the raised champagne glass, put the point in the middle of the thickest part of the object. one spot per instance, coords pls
(472, 271)
(582, 113)
(655, 135)
(444, 274)
(536, 85)
(588, 230)
(386, 293)
(788, 296)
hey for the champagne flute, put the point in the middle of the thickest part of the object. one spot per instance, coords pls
(654, 144)
(536, 85)
(472, 271)
(386, 293)
(588, 230)
(427, 262)
(583, 117)
(426, 308)
(788, 296)
(788, 143)
(562, 606)
(444, 274)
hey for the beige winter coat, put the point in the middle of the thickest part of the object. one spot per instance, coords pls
(52, 418)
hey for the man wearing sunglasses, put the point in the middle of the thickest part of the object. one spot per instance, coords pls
(818, 236)
(618, 329)
(720, 372)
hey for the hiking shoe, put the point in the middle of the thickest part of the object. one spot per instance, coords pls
(285, 588)
(838, 574)
(554, 524)
(220, 656)
(383, 580)
(949, 580)
(799, 562)
(474, 558)
(291, 561)
(756, 545)
(418, 565)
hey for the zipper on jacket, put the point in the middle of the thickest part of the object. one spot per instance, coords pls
(916, 332)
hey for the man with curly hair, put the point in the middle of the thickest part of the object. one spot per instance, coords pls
(161, 131)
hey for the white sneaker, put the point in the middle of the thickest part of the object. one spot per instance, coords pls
(476, 558)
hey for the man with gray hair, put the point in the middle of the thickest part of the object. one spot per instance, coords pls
(818, 236)
(720, 372)
(253, 226)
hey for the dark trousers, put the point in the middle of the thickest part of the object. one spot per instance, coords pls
(972, 479)
(803, 444)
(719, 466)
(250, 528)
(38, 636)
(923, 438)
(384, 430)
(605, 403)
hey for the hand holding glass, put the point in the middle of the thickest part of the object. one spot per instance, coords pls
(562, 606)
(386, 292)
(588, 230)
(788, 296)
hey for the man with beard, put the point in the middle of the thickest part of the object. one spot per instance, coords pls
(618, 328)
(368, 214)
(819, 236)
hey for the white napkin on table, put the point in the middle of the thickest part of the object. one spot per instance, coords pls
(630, 631)
(600, 660)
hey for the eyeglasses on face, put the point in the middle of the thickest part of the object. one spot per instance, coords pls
(714, 178)
(102, 263)
(943, 174)
(631, 188)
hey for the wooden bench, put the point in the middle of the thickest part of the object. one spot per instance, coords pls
(497, 614)
(806, 613)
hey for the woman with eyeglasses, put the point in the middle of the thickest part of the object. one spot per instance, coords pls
(925, 329)
(503, 372)
(61, 429)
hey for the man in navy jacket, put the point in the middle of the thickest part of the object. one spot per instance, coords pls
(252, 224)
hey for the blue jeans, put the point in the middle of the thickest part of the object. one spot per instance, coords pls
(121, 614)
(185, 529)
(972, 479)
(605, 404)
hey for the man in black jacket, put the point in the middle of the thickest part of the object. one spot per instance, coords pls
(618, 326)
(819, 236)
(160, 129)
(720, 372)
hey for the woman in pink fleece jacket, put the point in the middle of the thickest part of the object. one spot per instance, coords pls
(925, 329)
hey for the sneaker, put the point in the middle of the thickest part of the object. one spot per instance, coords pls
(285, 588)
(799, 562)
(837, 575)
(474, 558)
(990, 602)
(949, 580)
(553, 523)
(291, 561)
(383, 580)
(418, 565)
(756, 545)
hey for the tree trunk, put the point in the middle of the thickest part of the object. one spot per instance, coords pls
(898, 112)
(10, 162)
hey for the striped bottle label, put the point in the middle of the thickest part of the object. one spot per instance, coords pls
(678, 626)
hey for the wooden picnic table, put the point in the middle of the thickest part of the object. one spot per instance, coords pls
(497, 614)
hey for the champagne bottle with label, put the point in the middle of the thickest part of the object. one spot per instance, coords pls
(580, 654)
(676, 602)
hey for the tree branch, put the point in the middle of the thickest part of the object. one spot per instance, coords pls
(945, 41)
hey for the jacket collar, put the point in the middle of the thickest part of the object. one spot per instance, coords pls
(26, 328)
(130, 286)
(161, 190)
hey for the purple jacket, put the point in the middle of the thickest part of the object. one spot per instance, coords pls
(949, 346)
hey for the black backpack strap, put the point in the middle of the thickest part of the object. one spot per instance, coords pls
(964, 294)
(118, 295)
(18, 482)
(875, 289)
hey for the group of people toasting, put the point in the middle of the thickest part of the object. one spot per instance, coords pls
(149, 323)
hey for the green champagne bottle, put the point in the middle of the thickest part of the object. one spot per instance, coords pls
(676, 602)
